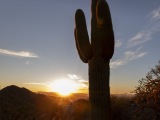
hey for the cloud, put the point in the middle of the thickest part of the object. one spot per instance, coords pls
(73, 76)
(82, 84)
(118, 43)
(127, 57)
(18, 53)
(117, 63)
(156, 13)
(139, 38)
(35, 83)
(146, 34)
(155, 18)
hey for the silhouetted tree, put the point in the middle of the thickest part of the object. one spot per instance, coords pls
(147, 94)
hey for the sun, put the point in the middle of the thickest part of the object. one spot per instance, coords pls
(64, 87)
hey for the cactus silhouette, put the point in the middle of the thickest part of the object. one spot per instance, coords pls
(97, 54)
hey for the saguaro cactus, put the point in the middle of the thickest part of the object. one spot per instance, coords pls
(97, 54)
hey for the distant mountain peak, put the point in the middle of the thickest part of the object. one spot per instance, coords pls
(15, 90)
(11, 87)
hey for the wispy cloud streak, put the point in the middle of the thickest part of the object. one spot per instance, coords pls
(139, 38)
(34, 83)
(147, 33)
(73, 76)
(118, 43)
(127, 57)
(18, 53)
(82, 84)
(156, 13)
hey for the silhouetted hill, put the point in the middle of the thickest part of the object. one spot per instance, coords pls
(21, 104)
(14, 92)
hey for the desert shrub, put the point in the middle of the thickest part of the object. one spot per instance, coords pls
(147, 95)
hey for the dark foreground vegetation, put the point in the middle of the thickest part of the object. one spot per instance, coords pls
(147, 95)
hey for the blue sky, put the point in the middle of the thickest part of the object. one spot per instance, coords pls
(37, 43)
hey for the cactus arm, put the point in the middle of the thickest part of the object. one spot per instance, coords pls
(104, 22)
(82, 35)
(79, 52)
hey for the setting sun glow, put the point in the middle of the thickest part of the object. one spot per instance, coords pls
(64, 87)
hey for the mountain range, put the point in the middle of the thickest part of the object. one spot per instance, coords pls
(22, 104)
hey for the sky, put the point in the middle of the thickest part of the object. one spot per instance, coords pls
(37, 45)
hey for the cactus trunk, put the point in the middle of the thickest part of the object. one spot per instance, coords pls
(99, 95)
(97, 54)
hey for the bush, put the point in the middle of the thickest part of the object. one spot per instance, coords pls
(147, 95)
